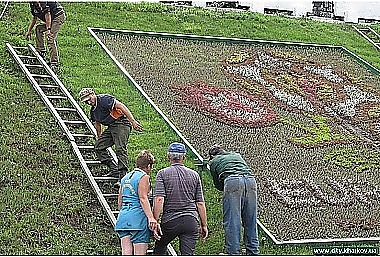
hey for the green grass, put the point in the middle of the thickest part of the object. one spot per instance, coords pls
(47, 205)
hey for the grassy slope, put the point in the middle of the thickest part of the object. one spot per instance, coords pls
(38, 163)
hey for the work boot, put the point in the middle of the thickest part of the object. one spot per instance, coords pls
(55, 68)
(122, 173)
(42, 53)
(117, 185)
(113, 171)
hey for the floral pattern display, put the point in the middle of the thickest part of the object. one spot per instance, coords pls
(305, 118)
(231, 107)
(289, 82)
(293, 83)
(305, 193)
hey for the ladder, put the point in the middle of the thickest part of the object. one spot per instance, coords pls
(73, 121)
(75, 124)
(4, 9)
(371, 35)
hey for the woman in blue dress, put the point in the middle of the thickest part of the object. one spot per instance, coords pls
(135, 220)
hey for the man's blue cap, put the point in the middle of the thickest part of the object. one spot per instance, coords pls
(177, 148)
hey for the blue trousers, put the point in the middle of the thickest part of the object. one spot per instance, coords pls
(240, 208)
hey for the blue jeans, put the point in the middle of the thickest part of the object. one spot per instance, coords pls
(240, 208)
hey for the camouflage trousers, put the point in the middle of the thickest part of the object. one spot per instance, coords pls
(116, 134)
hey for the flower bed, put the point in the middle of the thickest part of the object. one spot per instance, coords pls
(228, 106)
(306, 119)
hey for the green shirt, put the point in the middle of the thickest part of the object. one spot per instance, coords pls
(225, 164)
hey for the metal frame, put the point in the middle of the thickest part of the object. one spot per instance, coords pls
(362, 31)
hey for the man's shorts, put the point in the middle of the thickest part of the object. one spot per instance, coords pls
(137, 236)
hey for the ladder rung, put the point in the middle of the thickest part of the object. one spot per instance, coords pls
(20, 47)
(49, 86)
(41, 76)
(82, 135)
(105, 178)
(92, 162)
(86, 147)
(56, 97)
(110, 195)
(27, 56)
(74, 122)
(66, 109)
(34, 65)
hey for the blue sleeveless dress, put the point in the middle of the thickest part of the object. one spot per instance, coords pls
(131, 215)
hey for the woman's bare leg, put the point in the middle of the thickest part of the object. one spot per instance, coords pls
(140, 248)
(126, 246)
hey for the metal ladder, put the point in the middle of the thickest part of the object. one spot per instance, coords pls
(73, 121)
(4, 9)
(368, 33)
(75, 124)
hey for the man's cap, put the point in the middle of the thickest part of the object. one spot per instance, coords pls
(177, 148)
(85, 93)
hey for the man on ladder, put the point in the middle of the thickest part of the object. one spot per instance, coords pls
(108, 111)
